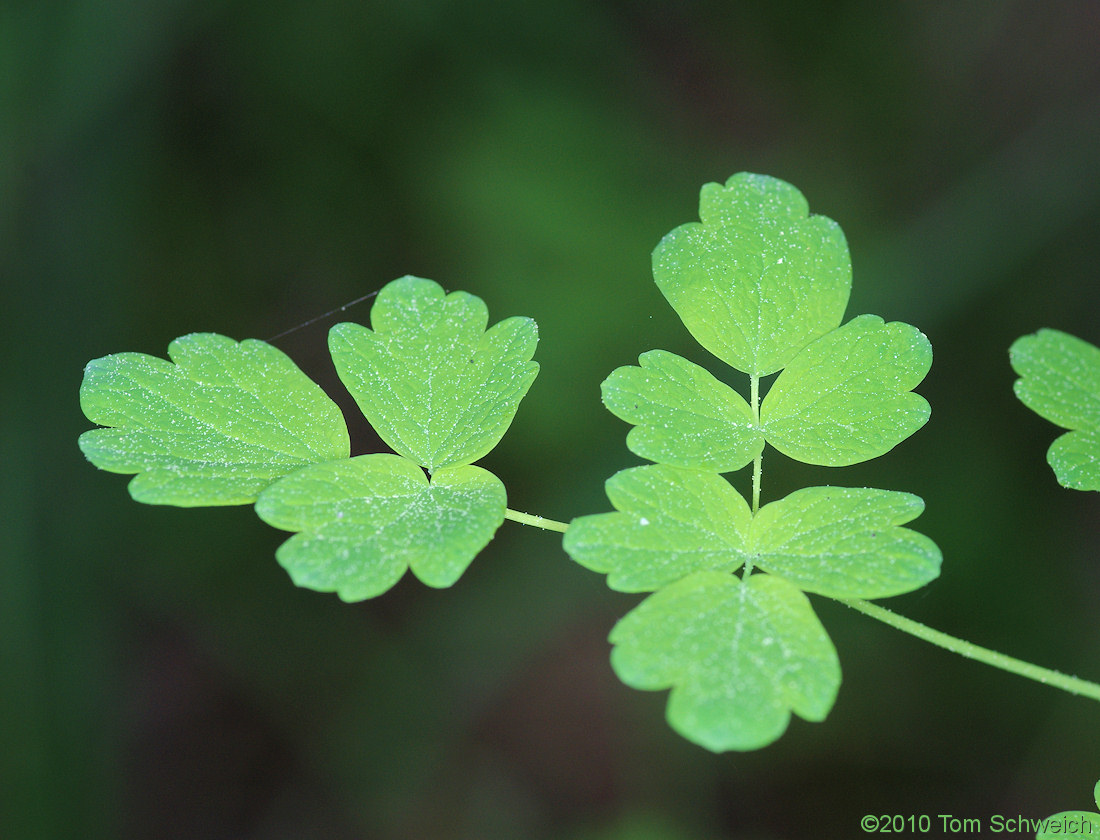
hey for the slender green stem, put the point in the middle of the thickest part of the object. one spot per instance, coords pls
(971, 651)
(535, 521)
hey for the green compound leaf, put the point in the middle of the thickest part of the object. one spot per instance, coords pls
(214, 426)
(739, 658)
(846, 397)
(1060, 381)
(845, 542)
(434, 384)
(759, 278)
(671, 522)
(365, 520)
(682, 415)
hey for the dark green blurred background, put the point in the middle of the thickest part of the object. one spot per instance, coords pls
(241, 167)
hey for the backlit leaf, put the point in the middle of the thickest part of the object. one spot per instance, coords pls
(846, 398)
(738, 656)
(845, 542)
(669, 523)
(434, 384)
(214, 426)
(1060, 381)
(365, 520)
(758, 278)
(682, 415)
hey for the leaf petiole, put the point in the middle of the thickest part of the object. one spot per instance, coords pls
(535, 521)
(1073, 685)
